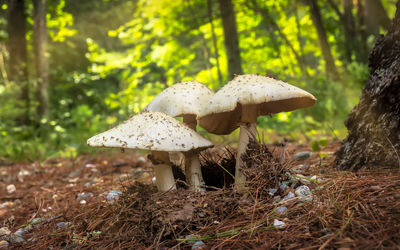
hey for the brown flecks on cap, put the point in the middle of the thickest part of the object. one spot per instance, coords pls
(169, 135)
(184, 98)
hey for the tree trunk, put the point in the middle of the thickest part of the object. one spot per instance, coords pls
(214, 38)
(361, 29)
(17, 49)
(41, 62)
(376, 16)
(374, 124)
(330, 66)
(351, 41)
(231, 37)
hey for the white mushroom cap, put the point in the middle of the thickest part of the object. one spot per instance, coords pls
(184, 98)
(151, 131)
(259, 94)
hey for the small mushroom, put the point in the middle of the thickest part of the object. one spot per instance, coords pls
(185, 99)
(241, 101)
(158, 133)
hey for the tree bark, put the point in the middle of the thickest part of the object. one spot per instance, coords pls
(231, 37)
(41, 62)
(214, 38)
(330, 66)
(18, 56)
(374, 124)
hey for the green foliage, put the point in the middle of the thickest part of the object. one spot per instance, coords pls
(109, 58)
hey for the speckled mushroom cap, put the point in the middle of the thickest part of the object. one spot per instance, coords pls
(151, 131)
(260, 94)
(184, 98)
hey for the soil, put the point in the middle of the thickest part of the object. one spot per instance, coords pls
(346, 210)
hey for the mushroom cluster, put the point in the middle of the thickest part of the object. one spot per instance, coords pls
(186, 100)
(237, 104)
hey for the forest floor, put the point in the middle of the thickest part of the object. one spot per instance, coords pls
(109, 201)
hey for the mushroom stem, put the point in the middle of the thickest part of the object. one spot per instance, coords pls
(247, 131)
(163, 171)
(190, 121)
(164, 177)
(193, 173)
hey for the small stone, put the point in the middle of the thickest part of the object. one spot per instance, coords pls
(11, 188)
(23, 173)
(302, 191)
(4, 231)
(301, 156)
(300, 168)
(20, 232)
(272, 191)
(289, 196)
(73, 180)
(199, 245)
(3, 244)
(74, 173)
(124, 177)
(36, 221)
(113, 195)
(284, 185)
(279, 224)
(63, 224)
(83, 196)
(16, 239)
(281, 210)
(141, 160)
(140, 174)
(83, 202)
(89, 165)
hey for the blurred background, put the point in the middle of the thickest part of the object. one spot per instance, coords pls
(71, 69)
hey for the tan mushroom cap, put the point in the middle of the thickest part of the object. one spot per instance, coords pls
(184, 98)
(260, 94)
(153, 131)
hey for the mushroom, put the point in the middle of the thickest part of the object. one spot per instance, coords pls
(185, 99)
(241, 101)
(158, 133)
